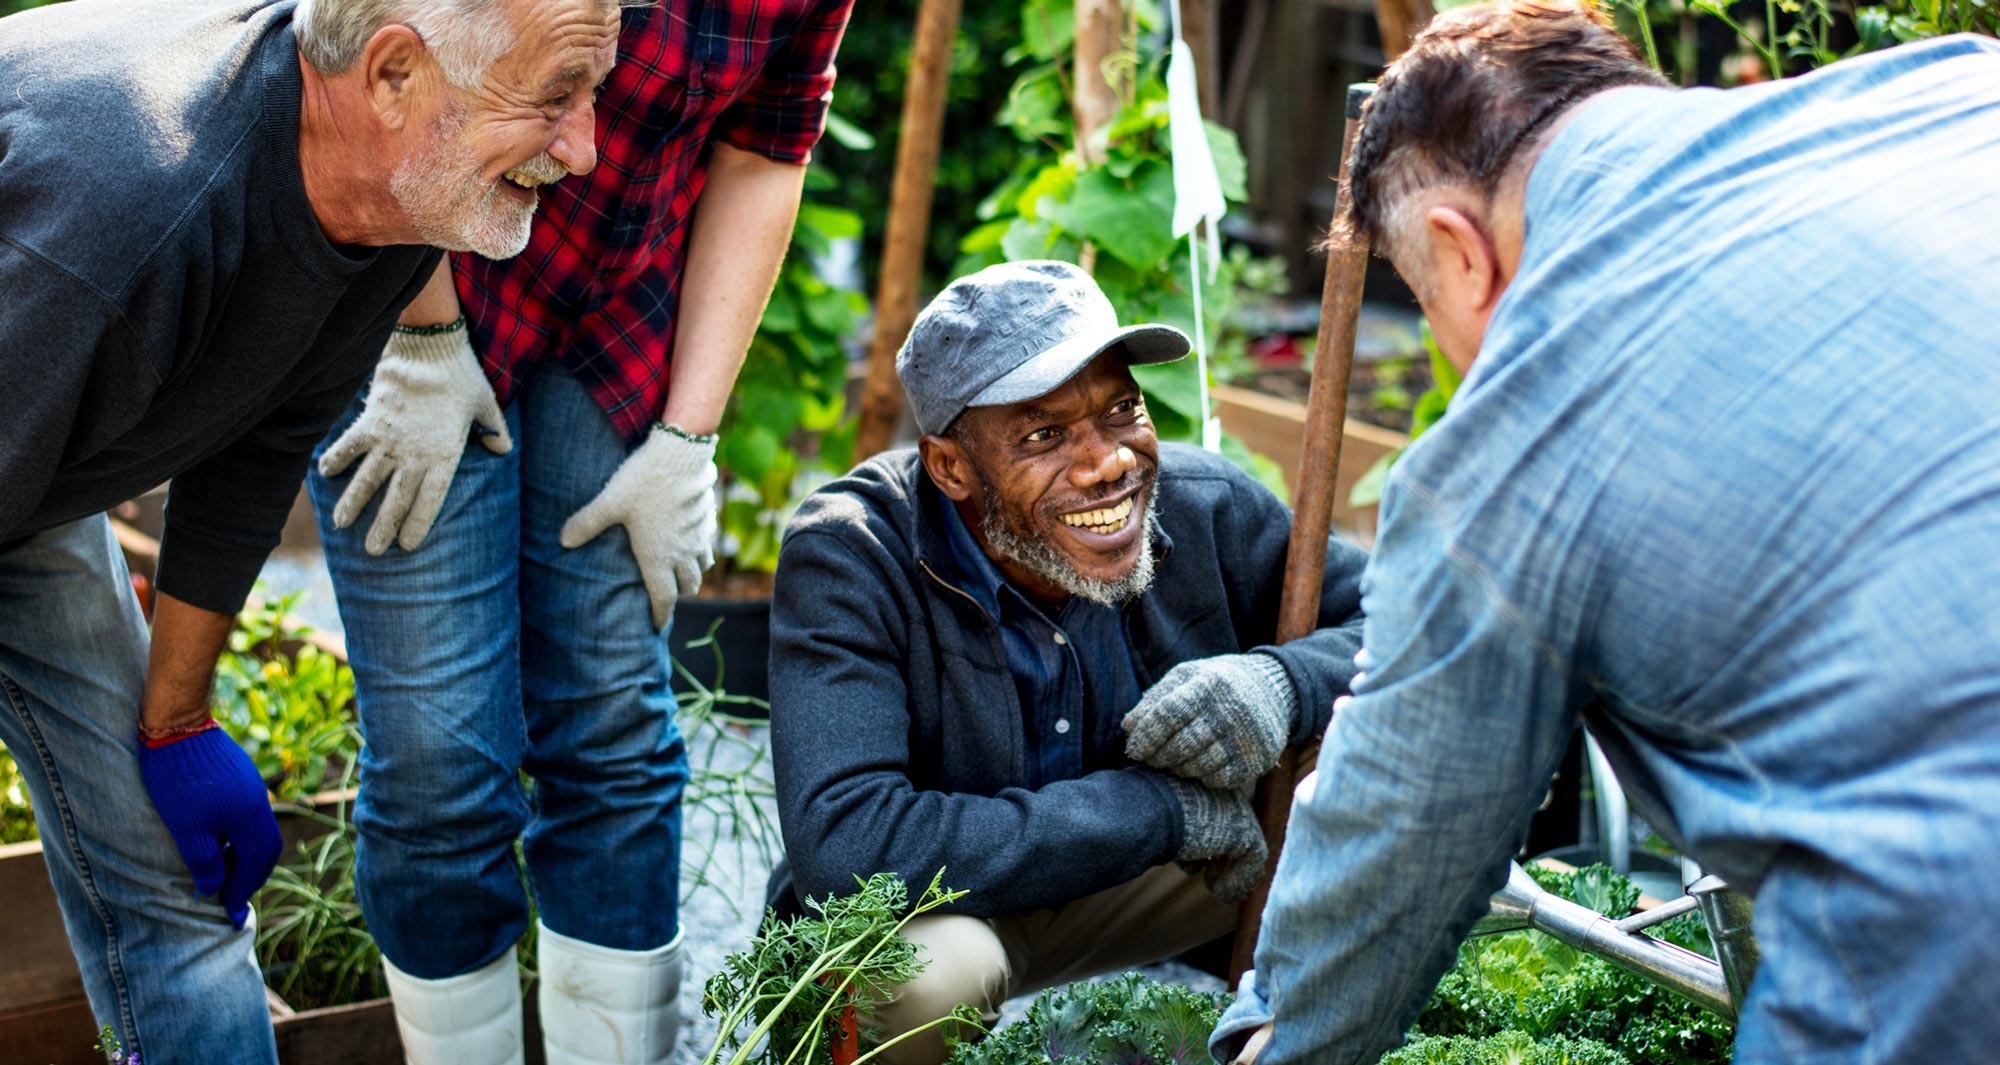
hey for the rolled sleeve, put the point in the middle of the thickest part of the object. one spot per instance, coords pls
(782, 116)
(1426, 785)
(1239, 1022)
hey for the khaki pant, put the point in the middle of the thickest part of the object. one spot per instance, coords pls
(982, 963)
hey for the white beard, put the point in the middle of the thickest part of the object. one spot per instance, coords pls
(439, 187)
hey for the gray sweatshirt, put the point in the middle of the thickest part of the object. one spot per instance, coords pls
(169, 307)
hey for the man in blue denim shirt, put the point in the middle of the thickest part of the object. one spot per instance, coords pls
(1724, 482)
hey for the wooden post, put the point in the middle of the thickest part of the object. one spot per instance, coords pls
(909, 221)
(1400, 21)
(1312, 511)
(1099, 34)
(1199, 30)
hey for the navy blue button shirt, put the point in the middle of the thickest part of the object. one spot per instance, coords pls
(1074, 673)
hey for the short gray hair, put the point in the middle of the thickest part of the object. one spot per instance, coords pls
(465, 36)
(1476, 89)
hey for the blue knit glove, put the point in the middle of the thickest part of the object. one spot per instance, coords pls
(216, 808)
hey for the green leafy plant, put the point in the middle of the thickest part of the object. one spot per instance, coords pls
(312, 940)
(17, 809)
(290, 704)
(1530, 983)
(730, 775)
(786, 417)
(975, 156)
(780, 999)
(1129, 1020)
(1507, 1048)
(1430, 407)
(1120, 203)
(109, 1045)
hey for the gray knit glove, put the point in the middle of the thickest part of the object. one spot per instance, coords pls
(1221, 837)
(1222, 720)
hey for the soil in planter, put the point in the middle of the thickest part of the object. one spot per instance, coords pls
(1380, 391)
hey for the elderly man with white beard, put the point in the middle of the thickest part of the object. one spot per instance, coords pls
(510, 514)
(211, 213)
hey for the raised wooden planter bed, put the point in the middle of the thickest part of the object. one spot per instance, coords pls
(1274, 427)
(46, 1020)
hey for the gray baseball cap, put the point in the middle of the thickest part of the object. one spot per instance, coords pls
(1013, 332)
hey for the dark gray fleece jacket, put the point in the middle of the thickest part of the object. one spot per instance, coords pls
(897, 729)
(169, 307)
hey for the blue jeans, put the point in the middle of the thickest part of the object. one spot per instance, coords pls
(163, 968)
(491, 650)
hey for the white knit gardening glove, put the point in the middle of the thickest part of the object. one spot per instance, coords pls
(1222, 720)
(664, 495)
(428, 392)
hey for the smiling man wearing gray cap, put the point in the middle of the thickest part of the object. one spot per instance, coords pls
(1035, 652)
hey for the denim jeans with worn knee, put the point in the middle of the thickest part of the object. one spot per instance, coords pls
(491, 650)
(165, 969)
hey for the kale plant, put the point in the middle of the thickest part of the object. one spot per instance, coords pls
(1130, 1020)
(1530, 983)
(1507, 1048)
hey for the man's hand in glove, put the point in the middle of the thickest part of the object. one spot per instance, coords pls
(427, 393)
(1222, 721)
(664, 495)
(215, 807)
(1221, 837)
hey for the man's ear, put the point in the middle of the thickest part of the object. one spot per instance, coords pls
(950, 467)
(1464, 260)
(391, 66)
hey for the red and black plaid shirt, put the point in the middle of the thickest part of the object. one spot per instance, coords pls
(599, 284)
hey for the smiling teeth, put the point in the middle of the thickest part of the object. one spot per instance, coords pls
(525, 181)
(1103, 521)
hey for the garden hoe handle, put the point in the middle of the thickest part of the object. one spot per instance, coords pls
(1312, 511)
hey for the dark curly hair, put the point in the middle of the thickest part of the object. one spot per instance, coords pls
(1475, 86)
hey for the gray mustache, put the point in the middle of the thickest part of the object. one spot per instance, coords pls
(543, 168)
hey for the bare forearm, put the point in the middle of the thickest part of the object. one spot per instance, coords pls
(742, 225)
(180, 670)
(436, 302)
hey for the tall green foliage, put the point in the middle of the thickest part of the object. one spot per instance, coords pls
(787, 416)
(1121, 204)
(780, 999)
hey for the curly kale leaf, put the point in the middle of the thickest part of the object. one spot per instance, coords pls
(1129, 1020)
(1529, 983)
(1506, 1048)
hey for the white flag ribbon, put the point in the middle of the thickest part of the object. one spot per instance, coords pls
(1197, 199)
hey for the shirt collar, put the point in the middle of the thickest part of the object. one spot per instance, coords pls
(980, 574)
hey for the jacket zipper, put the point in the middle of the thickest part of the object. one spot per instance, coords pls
(962, 593)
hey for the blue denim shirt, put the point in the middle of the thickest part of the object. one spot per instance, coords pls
(1724, 481)
(1074, 673)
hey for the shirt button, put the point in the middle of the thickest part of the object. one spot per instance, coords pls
(1061, 639)
(1062, 724)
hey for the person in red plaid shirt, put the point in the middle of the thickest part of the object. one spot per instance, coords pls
(533, 466)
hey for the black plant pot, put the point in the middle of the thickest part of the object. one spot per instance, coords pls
(742, 638)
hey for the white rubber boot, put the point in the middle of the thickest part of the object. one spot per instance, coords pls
(607, 1007)
(470, 1019)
